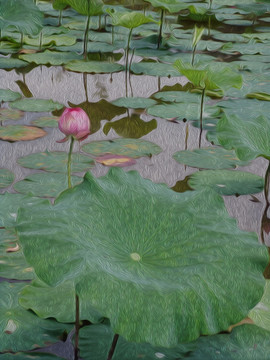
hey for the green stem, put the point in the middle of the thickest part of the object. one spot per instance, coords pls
(21, 39)
(209, 26)
(201, 118)
(112, 34)
(112, 349)
(193, 55)
(69, 162)
(86, 33)
(267, 183)
(40, 40)
(77, 328)
(160, 28)
(127, 67)
(85, 85)
(60, 18)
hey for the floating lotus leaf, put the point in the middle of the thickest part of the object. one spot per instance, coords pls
(56, 161)
(84, 7)
(24, 16)
(260, 314)
(20, 133)
(93, 67)
(30, 356)
(38, 105)
(247, 342)
(172, 6)
(9, 205)
(56, 302)
(95, 342)
(153, 69)
(131, 127)
(249, 138)
(8, 95)
(209, 158)
(129, 20)
(133, 148)
(183, 276)
(259, 96)
(10, 63)
(115, 160)
(21, 329)
(101, 110)
(7, 47)
(134, 102)
(6, 178)
(246, 108)
(190, 111)
(12, 261)
(51, 57)
(46, 121)
(58, 40)
(178, 96)
(10, 114)
(45, 184)
(227, 182)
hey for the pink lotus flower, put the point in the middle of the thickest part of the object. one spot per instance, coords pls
(74, 123)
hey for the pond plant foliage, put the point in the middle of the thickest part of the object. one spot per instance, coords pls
(120, 266)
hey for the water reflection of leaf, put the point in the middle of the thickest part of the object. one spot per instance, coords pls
(182, 185)
(131, 127)
(101, 110)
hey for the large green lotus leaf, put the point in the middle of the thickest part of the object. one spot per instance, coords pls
(129, 20)
(227, 182)
(45, 184)
(8, 95)
(21, 329)
(38, 105)
(56, 302)
(209, 158)
(20, 133)
(172, 6)
(246, 108)
(246, 342)
(95, 342)
(6, 178)
(56, 161)
(93, 67)
(131, 127)
(134, 102)
(215, 76)
(10, 114)
(181, 278)
(101, 110)
(154, 69)
(29, 356)
(133, 148)
(12, 261)
(249, 138)
(189, 111)
(10, 63)
(9, 205)
(51, 57)
(260, 314)
(85, 7)
(46, 121)
(58, 40)
(24, 16)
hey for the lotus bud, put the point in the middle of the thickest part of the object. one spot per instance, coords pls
(74, 123)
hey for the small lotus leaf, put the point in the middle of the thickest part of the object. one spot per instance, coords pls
(10, 114)
(56, 161)
(21, 329)
(6, 178)
(259, 96)
(46, 121)
(227, 182)
(115, 160)
(10, 63)
(38, 105)
(56, 302)
(45, 185)
(172, 6)
(8, 95)
(29, 356)
(249, 138)
(133, 148)
(134, 102)
(84, 7)
(51, 57)
(129, 20)
(57, 40)
(178, 96)
(154, 69)
(159, 268)
(209, 158)
(93, 67)
(20, 133)
(131, 127)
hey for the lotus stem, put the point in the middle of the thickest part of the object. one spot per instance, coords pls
(21, 39)
(112, 34)
(201, 117)
(193, 55)
(85, 85)
(86, 33)
(209, 26)
(77, 328)
(127, 67)
(99, 22)
(160, 28)
(129, 74)
(60, 18)
(112, 349)
(40, 40)
(267, 183)
(69, 162)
